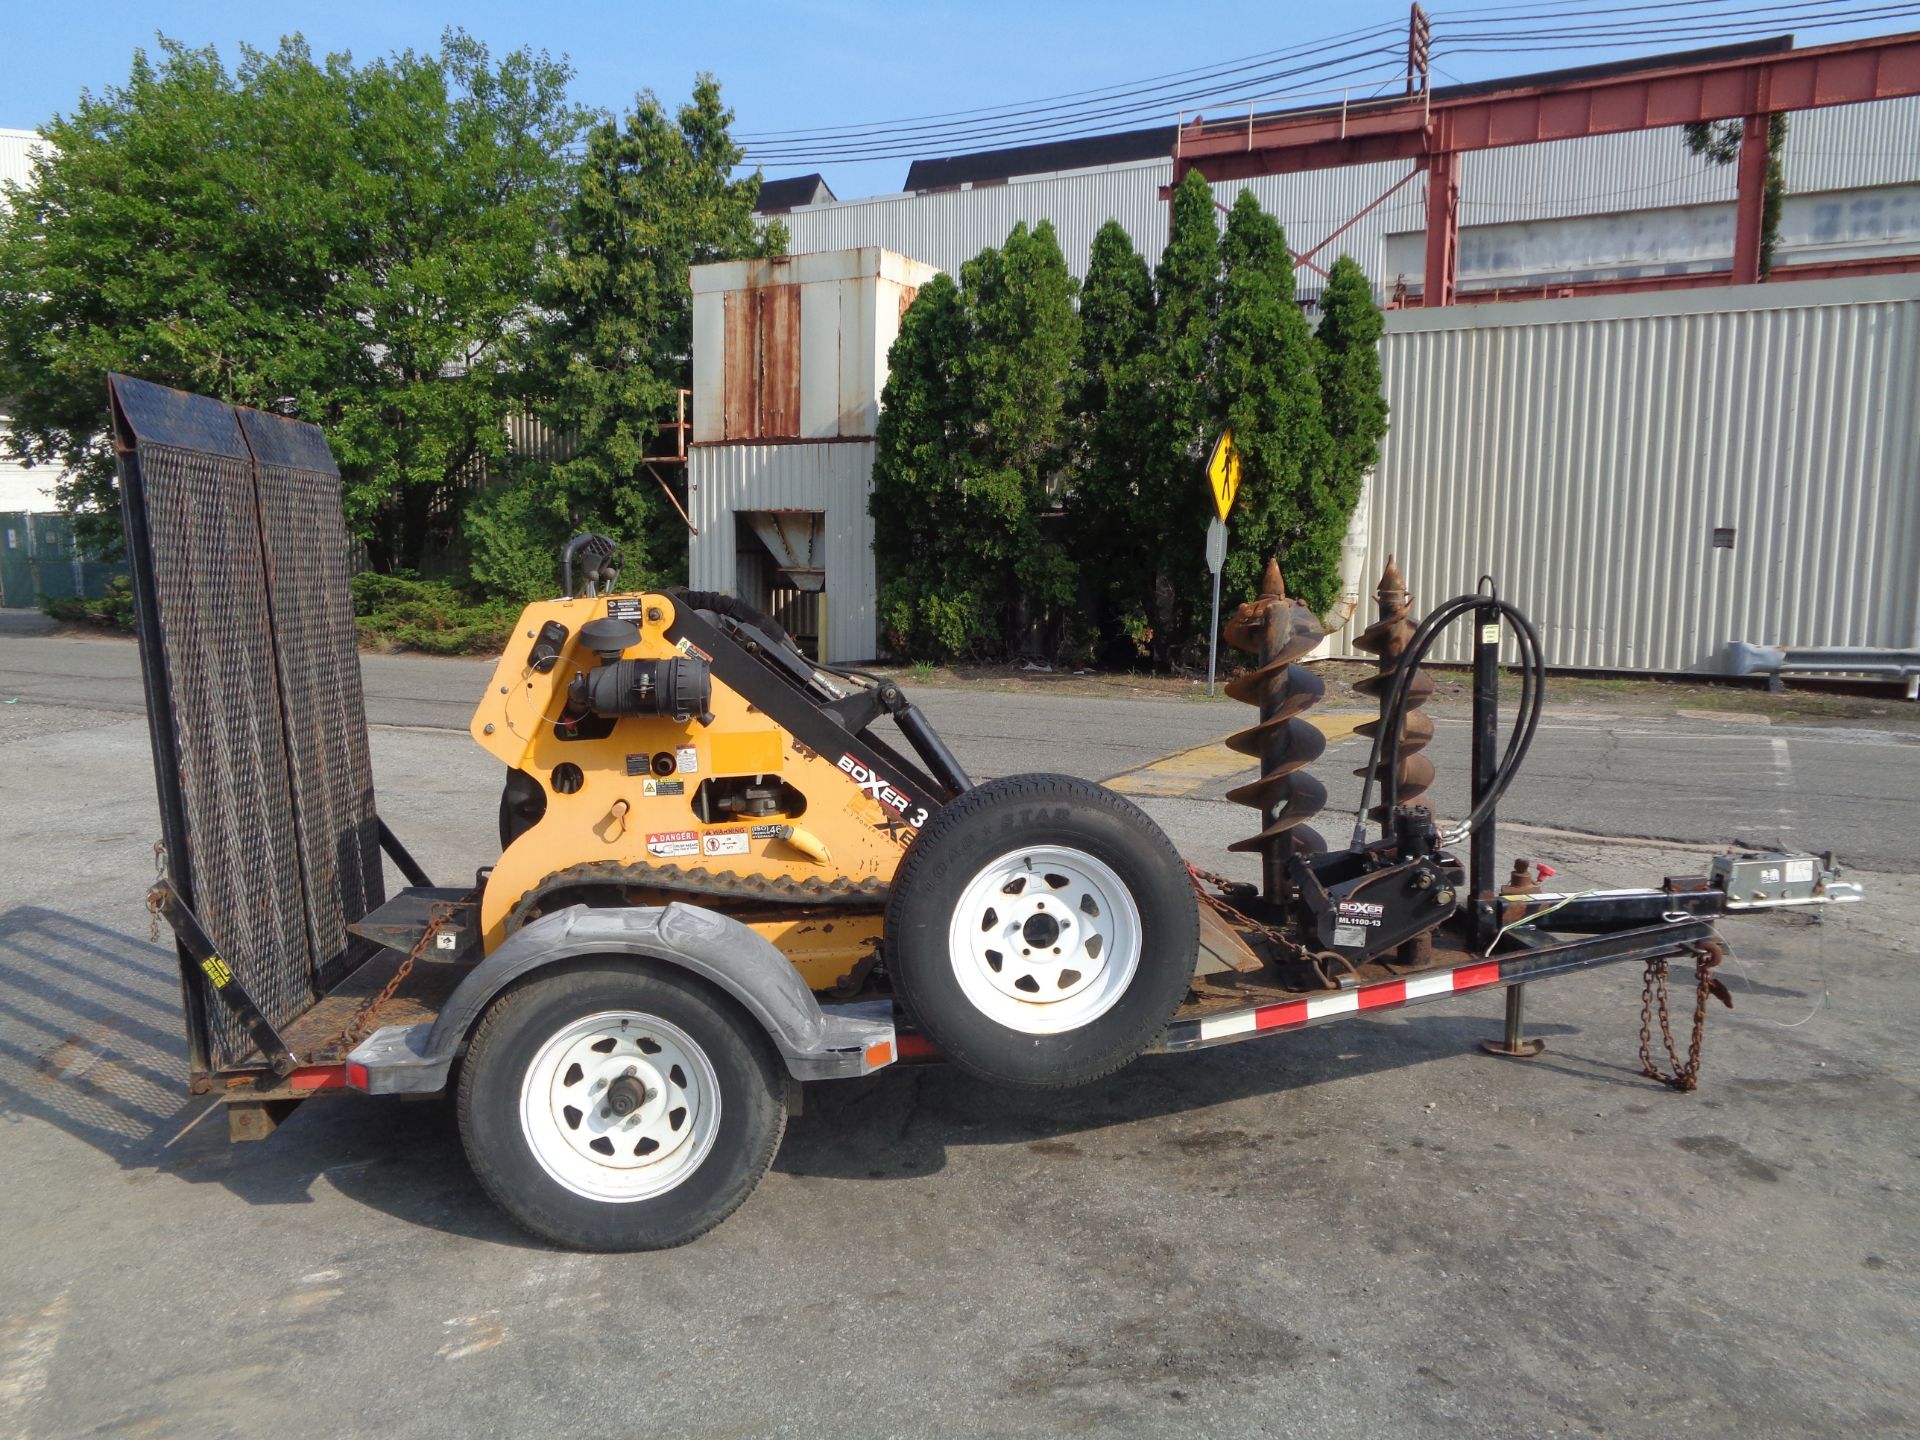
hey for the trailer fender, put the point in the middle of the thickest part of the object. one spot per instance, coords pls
(815, 1043)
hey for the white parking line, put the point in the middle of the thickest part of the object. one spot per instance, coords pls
(1783, 781)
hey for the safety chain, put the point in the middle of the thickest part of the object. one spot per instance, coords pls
(1653, 995)
(153, 895)
(1236, 919)
(437, 920)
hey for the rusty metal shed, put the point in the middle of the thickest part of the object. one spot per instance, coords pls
(789, 357)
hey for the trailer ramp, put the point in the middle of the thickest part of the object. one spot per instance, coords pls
(238, 552)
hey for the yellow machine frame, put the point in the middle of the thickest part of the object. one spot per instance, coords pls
(617, 814)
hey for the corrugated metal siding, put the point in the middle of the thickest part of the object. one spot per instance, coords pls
(1840, 148)
(16, 147)
(833, 478)
(796, 347)
(1583, 453)
(21, 488)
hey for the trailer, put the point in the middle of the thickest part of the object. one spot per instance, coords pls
(725, 870)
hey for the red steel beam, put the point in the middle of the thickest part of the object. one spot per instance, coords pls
(1882, 67)
(1692, 280)
(1749, 214)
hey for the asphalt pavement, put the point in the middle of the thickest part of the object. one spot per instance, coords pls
(1364, 1229)
(1713, 778)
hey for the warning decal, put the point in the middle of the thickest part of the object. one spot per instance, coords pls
(670, 843)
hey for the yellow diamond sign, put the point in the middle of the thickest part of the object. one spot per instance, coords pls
(1223, 473)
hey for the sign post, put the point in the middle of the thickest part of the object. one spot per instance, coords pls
(1223, 480)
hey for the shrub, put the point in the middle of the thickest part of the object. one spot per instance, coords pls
(433, 616)
(112, 610)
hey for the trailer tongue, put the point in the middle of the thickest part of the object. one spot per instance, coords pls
(725, 869)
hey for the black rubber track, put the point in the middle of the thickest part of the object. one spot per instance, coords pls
(990, 821)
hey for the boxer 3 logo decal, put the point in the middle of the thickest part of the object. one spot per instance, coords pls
(890, 798)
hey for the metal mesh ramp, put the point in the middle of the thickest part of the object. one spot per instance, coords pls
(238, 552)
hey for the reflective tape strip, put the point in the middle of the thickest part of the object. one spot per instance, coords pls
(1383, 995)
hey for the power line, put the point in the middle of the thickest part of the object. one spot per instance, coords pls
(1535, 44)
(1765, 17)
(1119, 89)
(1098, 111)
(1098, 121)
(1021, 124)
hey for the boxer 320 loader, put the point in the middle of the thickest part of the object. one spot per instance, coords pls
(725, 870)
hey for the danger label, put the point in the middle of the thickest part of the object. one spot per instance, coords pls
(652, 787)
(670, 843)
(724, 842)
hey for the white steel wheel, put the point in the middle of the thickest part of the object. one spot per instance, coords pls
(1040, 930)
(1045, 939)
(620, 1106)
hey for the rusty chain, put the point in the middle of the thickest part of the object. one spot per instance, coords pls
(356, 1028)
(153, 893)
(1653, 996)
(1282, 944)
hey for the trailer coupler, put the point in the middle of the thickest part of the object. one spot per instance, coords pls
(1543, 956)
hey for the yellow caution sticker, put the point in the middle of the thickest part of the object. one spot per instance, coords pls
(215, 969)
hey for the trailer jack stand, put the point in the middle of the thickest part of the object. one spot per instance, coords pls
(1513, 1044)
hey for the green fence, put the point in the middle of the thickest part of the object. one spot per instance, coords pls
(38, 560)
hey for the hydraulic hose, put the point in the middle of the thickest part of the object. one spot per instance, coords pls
(1386, 741)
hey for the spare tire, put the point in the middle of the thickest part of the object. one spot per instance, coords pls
(1041, 931)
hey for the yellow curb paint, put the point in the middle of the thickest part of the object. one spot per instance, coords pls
(1184, 771)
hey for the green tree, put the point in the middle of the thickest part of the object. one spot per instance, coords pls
(1347, 362)
(359, 238)
(1186, 417)
(1114, 423)
(971, 454)
(930, 604)
(613, 336)
(1718, 142)
(1270, 391)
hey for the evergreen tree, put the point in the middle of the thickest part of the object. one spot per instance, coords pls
(1347, 358)
(1184, 421)
(1113, 419)
(974, 459)
(1270, 392)
(929, 604)
(612, 339)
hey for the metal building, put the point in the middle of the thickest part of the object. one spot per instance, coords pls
(789, 357)
(1605, 207)
(21, 489)
(1652, 476)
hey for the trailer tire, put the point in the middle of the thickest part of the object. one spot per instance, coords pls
(1041, 931)
(682, 1103)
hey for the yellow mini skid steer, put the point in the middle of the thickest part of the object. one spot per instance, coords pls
(725, 869)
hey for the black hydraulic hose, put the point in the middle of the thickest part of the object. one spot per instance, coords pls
(1386, 740)
(734, 609)
(1532, 695)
